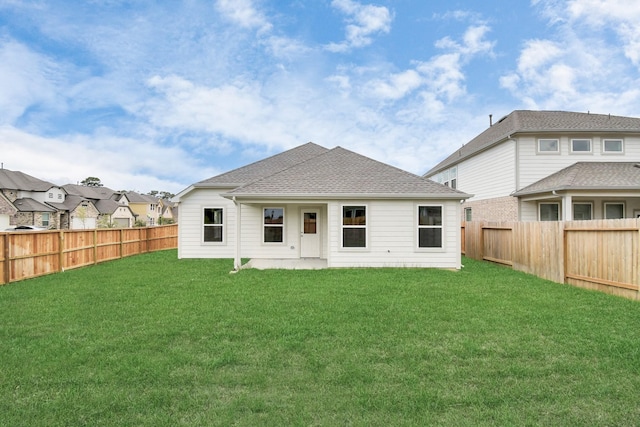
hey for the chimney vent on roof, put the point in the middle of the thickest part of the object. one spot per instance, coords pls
(490, 120)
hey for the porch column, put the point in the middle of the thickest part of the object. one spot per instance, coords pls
(237, 260)
(567, 208)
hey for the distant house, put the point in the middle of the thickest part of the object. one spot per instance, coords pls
(144, 207)
(105, 210)
(548, 166)
(31, 198)
(334, 206)
(168, 211)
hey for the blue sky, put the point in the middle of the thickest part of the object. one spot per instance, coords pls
(159, 95)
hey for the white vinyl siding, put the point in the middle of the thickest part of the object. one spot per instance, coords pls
(489, 174)
(392, 236)
(534, 167)
(190, 241)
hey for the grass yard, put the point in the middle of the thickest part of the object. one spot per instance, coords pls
(152, 340)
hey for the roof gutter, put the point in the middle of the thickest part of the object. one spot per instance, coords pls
(347, 196)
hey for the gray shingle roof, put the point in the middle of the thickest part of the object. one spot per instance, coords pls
(342, 172)
(539, 122)
(262, 168)
(71, 201)
(95, 193)
(134, 197)
(31, 205)
(108, 206)
(14, 180)
(588, 176)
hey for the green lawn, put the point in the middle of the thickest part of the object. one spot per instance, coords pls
(152, 340)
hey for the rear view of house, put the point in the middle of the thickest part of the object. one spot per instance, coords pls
(331, 205)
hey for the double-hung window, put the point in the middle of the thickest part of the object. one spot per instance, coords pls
(429, 226)
(45, 219)
(213, 224)
(354, 226)
(273, 225)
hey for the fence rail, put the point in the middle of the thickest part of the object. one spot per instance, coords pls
(32, 254)
(601, 254)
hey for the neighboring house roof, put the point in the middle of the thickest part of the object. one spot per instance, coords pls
(109, 206)
(588, 176)
(134, 197)
(30, 205)
(71, 202)
(15, 180)
(95, 193)
(340, 172)
(520, 121)
(265, 167)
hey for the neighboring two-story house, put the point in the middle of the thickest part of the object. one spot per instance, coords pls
(31, 198)
(144, 207)
(101, 203)
(548, 165)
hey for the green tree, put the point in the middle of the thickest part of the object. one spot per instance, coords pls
(91, 181)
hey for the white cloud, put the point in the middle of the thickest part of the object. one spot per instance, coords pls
(363, 22)
(442, 77)
(581, 65)
(621, 16)
(120, 163)
(26, 79)
(243, 13)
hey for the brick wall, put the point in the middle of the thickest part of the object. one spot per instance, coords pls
(498, 209)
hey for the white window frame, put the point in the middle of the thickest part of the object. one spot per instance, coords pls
(604, 145)
(47, 215)
(582, 203)
(440, 248)
(549, 203)
(581, 152)
(604, 210)
(365, 227)
(222, 225)
(264, 225)
(556, 151)
(468, 214)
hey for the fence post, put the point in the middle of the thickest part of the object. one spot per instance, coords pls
(121, 243)
(7, 261)
(95, 246)
(481, 240)
(565, 251)
(61, 251)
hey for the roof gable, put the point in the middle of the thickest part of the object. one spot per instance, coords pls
(520, 121)
(343, 172)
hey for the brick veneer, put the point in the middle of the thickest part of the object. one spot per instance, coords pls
(498, 209)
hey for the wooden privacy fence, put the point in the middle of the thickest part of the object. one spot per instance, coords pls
(599, 254)
(32, 254)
